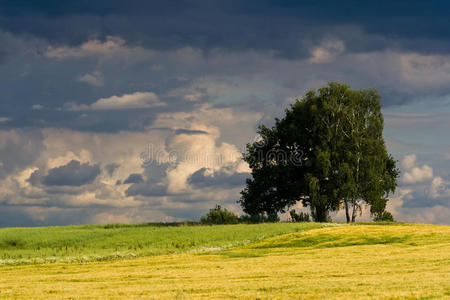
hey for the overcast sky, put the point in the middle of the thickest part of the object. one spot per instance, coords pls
(138, 111)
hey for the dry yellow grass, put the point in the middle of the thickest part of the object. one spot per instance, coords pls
(345, 262)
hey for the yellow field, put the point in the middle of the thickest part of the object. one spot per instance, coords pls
(342, 262)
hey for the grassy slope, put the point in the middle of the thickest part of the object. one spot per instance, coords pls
(97, 242)
(346, 262)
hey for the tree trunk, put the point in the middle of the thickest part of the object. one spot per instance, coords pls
(319, 214)
(354, 212)
(322, 216)
(347, 212)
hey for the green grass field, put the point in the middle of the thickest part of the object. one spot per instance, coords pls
(107, 242)
(266, 261)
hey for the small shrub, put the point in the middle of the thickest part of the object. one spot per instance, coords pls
(385, 216)
(301, 217)
(219, 215)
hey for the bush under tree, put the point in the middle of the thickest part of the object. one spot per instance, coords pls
(300, 217)
(219, 215)
(385, 216)
(259, 218)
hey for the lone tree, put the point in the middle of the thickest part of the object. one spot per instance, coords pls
(327, 152)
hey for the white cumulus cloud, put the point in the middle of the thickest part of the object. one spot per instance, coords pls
(414, 173)
(126, 101)
(94, 78)
(112, 47)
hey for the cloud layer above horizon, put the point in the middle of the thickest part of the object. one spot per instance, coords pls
(139, 112)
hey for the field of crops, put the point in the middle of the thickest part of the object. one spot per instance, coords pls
(266, 261)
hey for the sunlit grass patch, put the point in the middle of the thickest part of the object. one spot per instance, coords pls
(359, 235)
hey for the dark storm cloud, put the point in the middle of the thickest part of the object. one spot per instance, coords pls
(150, 183)
(200, 179)
(134, 178)
(284, 29)
(264, 24)
(146, 189)
(72, 174)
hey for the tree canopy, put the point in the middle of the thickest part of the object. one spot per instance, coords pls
(327, 152)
